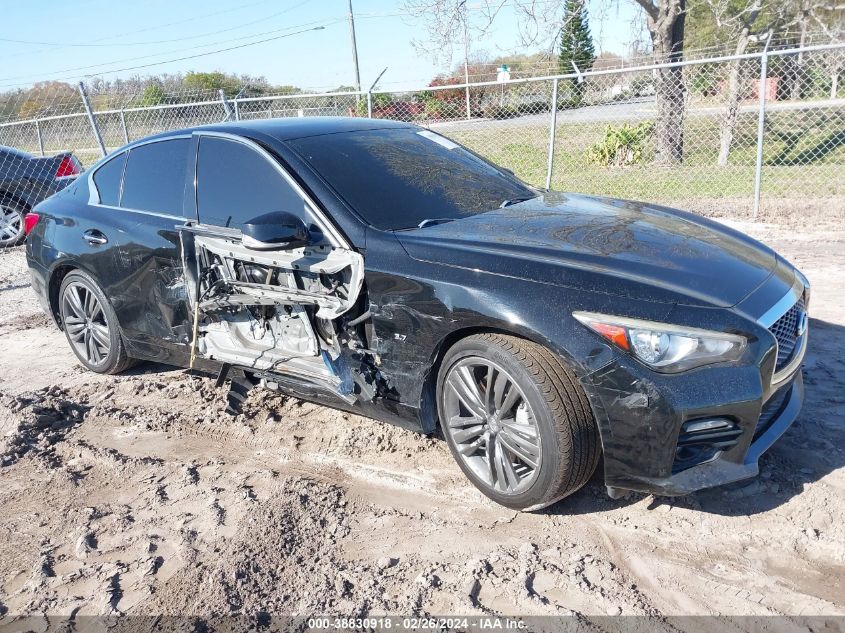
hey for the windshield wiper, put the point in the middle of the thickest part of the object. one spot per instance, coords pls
(509, 202)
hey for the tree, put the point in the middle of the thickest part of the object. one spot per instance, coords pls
(829, 17)
(47, 98)
(153, 95)
(284, 90)
(230, 84)
(746, 22)
(576, 42)
(832, 22)
(446, 20)
(576, 45)
(665, 20)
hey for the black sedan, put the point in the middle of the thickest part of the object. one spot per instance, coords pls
(380, 268)
(26, 180)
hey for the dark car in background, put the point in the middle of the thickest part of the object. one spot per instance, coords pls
(383, 269)
(26, 180)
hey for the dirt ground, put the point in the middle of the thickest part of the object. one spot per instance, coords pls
(138, 495)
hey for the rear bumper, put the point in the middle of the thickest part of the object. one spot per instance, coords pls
(39, 277)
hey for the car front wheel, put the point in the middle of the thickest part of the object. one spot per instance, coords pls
(90, 325)
(516, 420)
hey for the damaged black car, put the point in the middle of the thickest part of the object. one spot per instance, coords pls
(382, 269)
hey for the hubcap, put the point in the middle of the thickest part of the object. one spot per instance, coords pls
(492, 425)
(85, 323)
(10, 224)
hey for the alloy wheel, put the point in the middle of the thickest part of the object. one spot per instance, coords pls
(491, 425)
(85, 323)
(11, 224)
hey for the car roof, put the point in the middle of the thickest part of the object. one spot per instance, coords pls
(290, 128)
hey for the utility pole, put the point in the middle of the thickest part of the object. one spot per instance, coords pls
(354, 48)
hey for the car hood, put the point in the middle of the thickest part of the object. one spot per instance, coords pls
(603, 245)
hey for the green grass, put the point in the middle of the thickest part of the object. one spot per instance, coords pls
(802, 156)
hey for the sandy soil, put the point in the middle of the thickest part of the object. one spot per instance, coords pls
(138, 495)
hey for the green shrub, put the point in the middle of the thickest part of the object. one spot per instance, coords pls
(496, 111)
(433, 109)
(534, 107)
(705, 83)
(621, 146)
(361, 108)
(642, 87)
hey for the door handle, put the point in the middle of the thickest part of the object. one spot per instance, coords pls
(94, 237)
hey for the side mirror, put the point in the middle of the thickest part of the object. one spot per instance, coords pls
(277, 230)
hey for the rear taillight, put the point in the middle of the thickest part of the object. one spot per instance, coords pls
(29, 222)
(67, 167)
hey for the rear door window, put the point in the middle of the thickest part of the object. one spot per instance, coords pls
(154, 179)
(107, 180)
(236, 184)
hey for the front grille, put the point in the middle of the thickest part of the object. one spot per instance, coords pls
(771, 410)
(785, 330)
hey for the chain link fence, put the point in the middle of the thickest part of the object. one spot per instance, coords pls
(757, 135)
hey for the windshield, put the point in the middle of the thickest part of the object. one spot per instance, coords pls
(399, 178)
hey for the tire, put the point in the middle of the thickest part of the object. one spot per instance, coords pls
(11, 223)
(544, 429)
(88, 319)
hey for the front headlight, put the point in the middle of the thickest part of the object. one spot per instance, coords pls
(665, 347)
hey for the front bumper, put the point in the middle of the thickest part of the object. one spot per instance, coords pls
(723, 469)
(641, 417)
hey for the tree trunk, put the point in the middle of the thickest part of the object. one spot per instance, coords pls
(834, 84)
(798, 70)
(666, 26)
(728, 124)
(669, 126)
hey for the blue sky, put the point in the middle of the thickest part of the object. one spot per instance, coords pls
(122, 35)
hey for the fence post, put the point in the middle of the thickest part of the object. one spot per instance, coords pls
(469, 109)
(123, 127)
(761, 129)
(552, 131)
(92, 119)
(237, 110)
(226, 108)
(40, 138)
(369, 105)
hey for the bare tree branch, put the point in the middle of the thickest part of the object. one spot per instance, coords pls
(538, 22)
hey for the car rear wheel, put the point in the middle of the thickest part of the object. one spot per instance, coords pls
(11, 223)
(516, 420)
(90, 325)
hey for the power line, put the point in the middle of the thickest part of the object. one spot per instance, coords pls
(147, 29)
(187, 57)
(148, 42)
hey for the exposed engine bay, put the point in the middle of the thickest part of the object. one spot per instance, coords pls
(279, 311)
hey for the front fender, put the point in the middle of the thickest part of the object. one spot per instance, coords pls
(421, 308)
